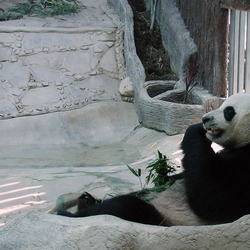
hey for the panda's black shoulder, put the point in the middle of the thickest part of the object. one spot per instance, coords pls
(236, 158)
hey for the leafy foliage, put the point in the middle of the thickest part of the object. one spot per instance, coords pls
(135, 172)
(7, 15)
(158, 173)
(42, 8)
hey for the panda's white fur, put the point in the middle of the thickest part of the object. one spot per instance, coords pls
(172, 204)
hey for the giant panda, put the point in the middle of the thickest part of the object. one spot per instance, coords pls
(216, 185)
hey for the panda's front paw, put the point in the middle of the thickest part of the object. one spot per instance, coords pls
(196, 129)
(86, 200)
(193, 134)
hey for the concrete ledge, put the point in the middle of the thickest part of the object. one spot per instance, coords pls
(107, 232)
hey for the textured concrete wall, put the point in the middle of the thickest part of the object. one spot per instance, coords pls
(205, 24)
(208, 26)
(176, 37)
(173, 118)
(134, 67)
(235, 4)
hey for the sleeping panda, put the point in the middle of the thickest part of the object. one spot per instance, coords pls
(215, 187)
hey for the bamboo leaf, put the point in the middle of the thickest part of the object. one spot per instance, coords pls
(133, 171)
(139, 172)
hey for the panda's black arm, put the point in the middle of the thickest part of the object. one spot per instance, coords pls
(202, 173)
(67, 214)
(177, 176)
(197, 150)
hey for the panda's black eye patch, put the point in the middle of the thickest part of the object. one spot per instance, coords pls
(229, 113)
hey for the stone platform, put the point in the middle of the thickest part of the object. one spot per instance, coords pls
(64, 128)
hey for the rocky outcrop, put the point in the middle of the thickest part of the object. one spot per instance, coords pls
(36, 230)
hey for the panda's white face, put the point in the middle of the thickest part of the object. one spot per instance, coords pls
(229, 126)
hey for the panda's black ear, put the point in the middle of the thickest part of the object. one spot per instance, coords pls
(229, 113)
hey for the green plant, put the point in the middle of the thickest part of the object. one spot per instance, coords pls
(4, 16)
(159, 174)
(43, 8)
(160, 170)
(137, 173)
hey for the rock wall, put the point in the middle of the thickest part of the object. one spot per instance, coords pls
(173, 118)
(176, 38)
(50, 65)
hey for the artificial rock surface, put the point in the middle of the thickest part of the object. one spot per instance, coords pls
(65, 129)
(41, 63)
(107, 232)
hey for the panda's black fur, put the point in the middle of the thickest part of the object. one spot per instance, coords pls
(217, 185)
(128, 207)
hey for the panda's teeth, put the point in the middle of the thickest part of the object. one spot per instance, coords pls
(214, 132)
(211, 130)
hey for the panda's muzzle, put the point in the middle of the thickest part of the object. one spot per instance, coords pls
(214, 132)
(210, 127)
(207, 119)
